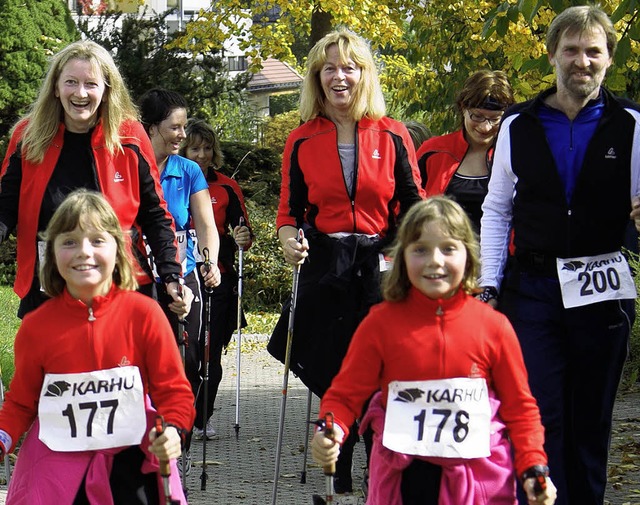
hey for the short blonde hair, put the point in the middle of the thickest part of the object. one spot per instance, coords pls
(454, 220)
(368, 99)
(46, 112)
(88, 210)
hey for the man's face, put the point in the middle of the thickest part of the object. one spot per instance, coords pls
(581, 61)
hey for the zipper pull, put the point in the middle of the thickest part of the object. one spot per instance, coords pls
(439, 310)
(91, 316)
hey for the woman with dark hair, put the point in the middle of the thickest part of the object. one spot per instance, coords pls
(164, 116)
(457, 164)
(232, 221)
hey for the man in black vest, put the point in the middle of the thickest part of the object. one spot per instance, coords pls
(564, 181)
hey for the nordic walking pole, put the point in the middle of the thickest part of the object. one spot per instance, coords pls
(165, 468)
(303, 473)
(287, 364)
(239, 339)
(329, 470)
(183, 342)
(205, 394)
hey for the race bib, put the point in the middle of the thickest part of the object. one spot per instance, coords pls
(592, 279)
(181, 238)
(446, 418)
(196, 254)
(42, 247)
(92, 410)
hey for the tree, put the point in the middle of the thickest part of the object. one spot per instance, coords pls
(143, 52)
(426, 48)
(30, 32)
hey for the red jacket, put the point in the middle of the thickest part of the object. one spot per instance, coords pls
(228, 207)
(128, 179)
(129, 328)
(424, 339)
(313, 190)
(438, 160)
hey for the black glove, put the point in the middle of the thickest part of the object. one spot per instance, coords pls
(540, 474)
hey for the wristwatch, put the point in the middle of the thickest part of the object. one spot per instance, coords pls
(488, 293)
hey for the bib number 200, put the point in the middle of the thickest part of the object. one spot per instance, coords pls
(600, 280)
(460, 429)
(92, 407)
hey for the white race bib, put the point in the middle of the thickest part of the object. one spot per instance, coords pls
(196, 254)
(92, 410)
(181, 239)
(447, 418)
(592, 279)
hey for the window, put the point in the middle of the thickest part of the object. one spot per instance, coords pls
(236, 63)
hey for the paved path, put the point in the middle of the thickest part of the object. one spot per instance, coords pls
(241, 470)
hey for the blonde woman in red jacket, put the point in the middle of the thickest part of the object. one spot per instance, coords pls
(83, 132)
(348, 175)
(84, 394)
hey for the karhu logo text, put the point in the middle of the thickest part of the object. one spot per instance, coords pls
(376, 155)
(118, 177)
(611, 154)
(81, 388)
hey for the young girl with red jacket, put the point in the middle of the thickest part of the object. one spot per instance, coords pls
(88, 365)
(453, 394)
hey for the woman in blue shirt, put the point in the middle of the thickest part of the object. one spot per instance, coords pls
(164, 116)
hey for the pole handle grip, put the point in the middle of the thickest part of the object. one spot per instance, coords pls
(165, 468)
(329, 432)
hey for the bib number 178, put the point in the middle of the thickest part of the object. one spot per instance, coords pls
(460, 428)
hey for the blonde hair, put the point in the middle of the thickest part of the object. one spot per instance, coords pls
(87, 210)
(367, 100)
(455, 222)
(46, 112)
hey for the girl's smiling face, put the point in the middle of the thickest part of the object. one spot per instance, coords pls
(436, 262)
(86, 260)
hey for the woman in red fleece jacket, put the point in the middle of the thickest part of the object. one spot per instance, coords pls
(457, 164)
(453, 386)
(82, 388)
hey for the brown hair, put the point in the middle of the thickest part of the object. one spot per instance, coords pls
(454, 220)
(87, 210)
(485, 89)
(198, 131)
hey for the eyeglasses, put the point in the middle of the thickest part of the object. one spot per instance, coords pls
(478, 118)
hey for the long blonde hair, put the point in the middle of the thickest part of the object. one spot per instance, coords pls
(46, 112)
(455, 222)
(88, 210)
(368, 99)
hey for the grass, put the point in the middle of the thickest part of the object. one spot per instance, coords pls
(9, 324)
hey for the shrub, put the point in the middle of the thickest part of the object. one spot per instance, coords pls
(267, 278)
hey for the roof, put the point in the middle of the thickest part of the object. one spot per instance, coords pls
(275, 75)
